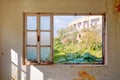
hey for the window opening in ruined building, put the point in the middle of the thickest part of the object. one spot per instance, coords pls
(67, 39)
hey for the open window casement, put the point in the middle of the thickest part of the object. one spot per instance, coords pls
(38, 38)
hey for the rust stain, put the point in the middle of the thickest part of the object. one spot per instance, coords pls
(83, 75)
(116, 13)
(117, 5)
(116, 9)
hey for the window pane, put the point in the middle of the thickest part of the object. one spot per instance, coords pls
(31, 53)
(45, 38)
(77, 44)
(45, 22)
(45, 54)
(31, 22)
(31, 38)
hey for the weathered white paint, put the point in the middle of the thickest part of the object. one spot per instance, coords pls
(11, 37)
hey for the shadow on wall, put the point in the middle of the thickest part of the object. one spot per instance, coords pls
(14, 65)
(19, 72)
(22, 72)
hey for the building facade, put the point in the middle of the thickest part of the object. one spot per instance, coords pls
(87, 22)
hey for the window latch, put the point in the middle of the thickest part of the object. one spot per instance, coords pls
(38, 39)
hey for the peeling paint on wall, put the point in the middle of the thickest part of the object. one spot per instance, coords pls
(83, 75)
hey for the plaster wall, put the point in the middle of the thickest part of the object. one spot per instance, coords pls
(11, 38)
(0, 48)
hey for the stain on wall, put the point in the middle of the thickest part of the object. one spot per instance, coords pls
(83, 75)
(116, 8)
(11, 30)
(117, 5)
(116, 13)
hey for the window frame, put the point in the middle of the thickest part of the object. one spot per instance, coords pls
(25, 14)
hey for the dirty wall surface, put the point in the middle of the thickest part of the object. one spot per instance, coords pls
(11, 40)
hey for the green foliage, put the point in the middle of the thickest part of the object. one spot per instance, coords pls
(68, 48)
(59, 59)
(91, 40)
(76, 58)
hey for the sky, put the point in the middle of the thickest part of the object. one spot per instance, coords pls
(61, 22)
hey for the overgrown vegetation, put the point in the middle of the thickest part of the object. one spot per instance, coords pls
(78, 46)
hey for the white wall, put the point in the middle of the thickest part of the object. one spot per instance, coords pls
(11, 37)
